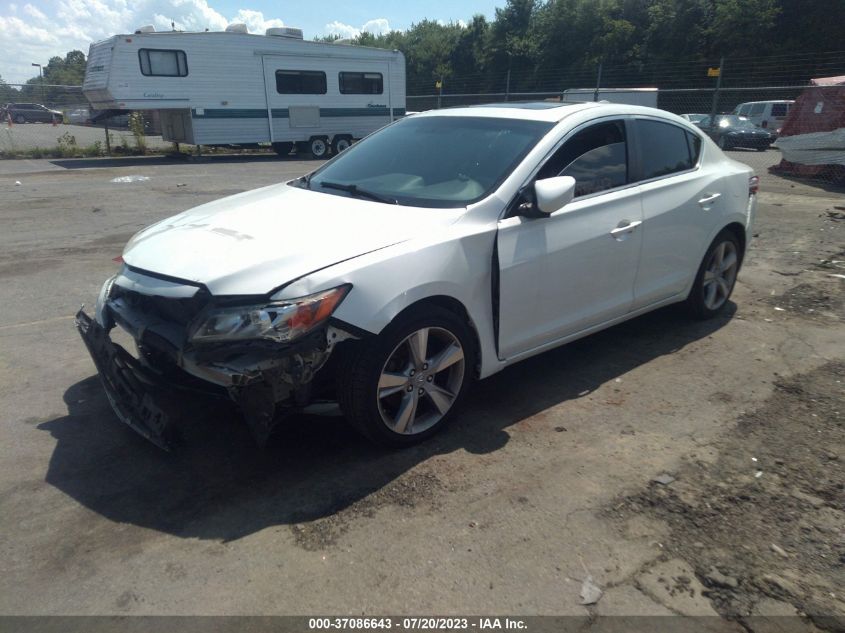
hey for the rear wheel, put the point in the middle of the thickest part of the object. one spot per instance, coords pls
(19, 118)
(716, 277)
(404, 385)
(318, 146)
(283, 149)
(341, 143)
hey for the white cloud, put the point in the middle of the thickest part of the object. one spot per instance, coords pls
(74, 24)
(33, 12)
(376, 27)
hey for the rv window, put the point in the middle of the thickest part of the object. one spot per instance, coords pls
(300, 82)
(161, 63)
(361, 83)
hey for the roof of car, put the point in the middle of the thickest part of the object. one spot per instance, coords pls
(552, 111)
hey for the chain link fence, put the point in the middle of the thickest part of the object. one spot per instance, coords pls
(45, 121)
(799, 101)
(794, 105)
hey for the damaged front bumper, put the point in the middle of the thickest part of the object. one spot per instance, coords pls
(152, 391)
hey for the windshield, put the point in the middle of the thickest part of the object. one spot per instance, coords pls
(431, 161)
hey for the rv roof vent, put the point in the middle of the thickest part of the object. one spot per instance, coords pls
(237, 27)
(147, 28)
(285, 31)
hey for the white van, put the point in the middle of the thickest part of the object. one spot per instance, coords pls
(766, 114)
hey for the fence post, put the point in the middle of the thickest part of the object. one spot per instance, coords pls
(108, 142)
(715, 105)
(598, 84)
(508, 85)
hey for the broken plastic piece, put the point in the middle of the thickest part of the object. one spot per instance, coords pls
(590, 592)
(133, 178)
(664, 479)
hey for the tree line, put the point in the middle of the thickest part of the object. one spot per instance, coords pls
(559, 44)
(534, 45)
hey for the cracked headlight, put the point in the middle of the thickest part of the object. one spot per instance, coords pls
(279, 321)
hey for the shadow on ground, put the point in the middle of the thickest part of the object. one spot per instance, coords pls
(222, 487)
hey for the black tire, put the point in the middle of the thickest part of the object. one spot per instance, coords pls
(697, 303)
(341, 143)
(283, 149)
(360, 371)
(19, 118)
(318, 146)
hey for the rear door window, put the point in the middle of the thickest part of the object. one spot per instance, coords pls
(664, 149)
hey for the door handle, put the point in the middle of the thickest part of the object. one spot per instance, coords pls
(711, 198)
(620, 231)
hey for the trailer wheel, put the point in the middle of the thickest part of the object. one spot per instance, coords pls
(340, 143)
(283, 149)
(318, 146)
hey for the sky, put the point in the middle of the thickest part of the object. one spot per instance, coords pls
(32, 31)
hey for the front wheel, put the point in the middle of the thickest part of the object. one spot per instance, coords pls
(404, 385)
(716, 277)
(318, 147)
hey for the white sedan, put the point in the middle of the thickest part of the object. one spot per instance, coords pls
(439, 250)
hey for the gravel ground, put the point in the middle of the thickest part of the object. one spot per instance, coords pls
(546, 480)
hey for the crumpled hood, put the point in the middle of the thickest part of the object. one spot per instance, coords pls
(254, 242)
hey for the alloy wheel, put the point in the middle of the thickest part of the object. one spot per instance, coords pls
(420, 380)
(720, 275)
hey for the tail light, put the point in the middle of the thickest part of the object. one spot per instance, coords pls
(753, 185)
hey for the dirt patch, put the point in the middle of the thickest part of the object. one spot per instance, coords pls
(807, 301)
(409, 491)
(765, 518)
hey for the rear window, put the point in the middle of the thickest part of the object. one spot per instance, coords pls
(780, 109)
(162, 63)
(664, 149)
(361, 83)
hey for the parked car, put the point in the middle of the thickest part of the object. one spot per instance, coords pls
(32, 113)
(694, 118)
(390, 279)
(79, 116)
(769, 115)
(734, 131)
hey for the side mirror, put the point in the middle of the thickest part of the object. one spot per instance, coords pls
(554, 193)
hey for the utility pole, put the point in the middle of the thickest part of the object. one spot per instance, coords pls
(41, 80)
(715, 105)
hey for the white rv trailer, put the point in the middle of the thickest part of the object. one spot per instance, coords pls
(631, 96)
(231, 87)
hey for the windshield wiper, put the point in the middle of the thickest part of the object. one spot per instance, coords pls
(360, 193)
